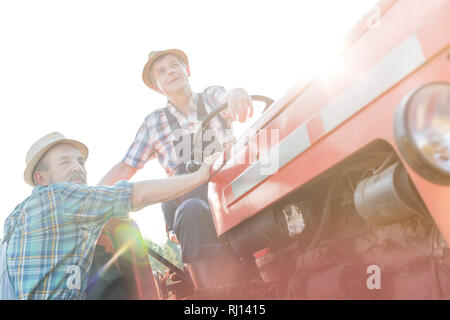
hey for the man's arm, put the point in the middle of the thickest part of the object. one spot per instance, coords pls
(240, 105)
(120, 171)
(149, 192)
(86, 204)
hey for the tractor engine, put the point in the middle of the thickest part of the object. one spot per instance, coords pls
(359, 231)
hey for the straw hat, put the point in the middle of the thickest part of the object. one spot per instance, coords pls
(40, 147)
(155, 55)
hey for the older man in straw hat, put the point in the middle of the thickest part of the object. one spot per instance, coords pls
(49, 238)
(163, 135)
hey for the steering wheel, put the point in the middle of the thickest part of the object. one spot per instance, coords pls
(194, 165)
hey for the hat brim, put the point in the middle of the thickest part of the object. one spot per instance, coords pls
(29, 170)
(148, 65)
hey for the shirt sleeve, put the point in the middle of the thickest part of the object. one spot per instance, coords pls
(141, 150)
(99, 203)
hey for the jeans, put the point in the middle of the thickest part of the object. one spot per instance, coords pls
(195, 230)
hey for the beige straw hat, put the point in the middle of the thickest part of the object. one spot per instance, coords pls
(40, 147)
(155, 55)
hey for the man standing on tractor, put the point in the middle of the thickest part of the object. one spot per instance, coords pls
(188, 218)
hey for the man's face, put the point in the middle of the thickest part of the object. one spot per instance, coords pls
(65, 164)
(169, 75)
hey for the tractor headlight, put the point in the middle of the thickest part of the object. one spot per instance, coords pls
(422, 131)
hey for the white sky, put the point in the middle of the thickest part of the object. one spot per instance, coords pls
(75, 67)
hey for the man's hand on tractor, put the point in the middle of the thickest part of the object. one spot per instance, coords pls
(204, 172)
(240, 104)
(202, 176)
(205, 169)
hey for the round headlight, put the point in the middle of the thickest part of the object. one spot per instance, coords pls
(422, 131)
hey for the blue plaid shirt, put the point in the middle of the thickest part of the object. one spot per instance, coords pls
(53, 237)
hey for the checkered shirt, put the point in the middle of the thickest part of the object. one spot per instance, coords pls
(156, 139)
(53, 237)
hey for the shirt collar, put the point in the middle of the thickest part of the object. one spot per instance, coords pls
(192, 111)
(37, 188)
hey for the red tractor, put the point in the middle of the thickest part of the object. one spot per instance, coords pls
(341, 188)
